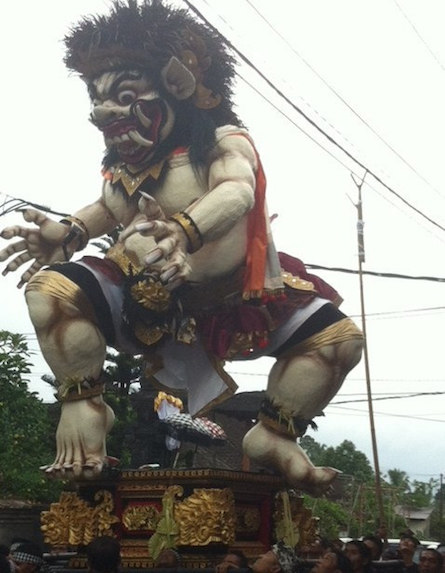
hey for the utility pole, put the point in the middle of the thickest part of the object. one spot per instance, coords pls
(361, 260)
(441, 502)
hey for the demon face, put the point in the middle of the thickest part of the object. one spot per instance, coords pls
(132, 116)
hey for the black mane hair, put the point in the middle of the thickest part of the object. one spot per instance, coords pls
(146, 36)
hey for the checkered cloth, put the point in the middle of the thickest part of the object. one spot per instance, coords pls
(286, 556)
(23, 555)
(184, 423)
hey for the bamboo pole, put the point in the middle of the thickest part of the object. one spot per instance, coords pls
(361, 260)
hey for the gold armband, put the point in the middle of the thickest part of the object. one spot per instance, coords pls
(78, 232)
(189, 227)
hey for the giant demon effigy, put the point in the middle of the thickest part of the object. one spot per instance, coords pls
(194, 279)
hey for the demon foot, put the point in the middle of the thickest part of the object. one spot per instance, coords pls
(81, 434)
(284, 455)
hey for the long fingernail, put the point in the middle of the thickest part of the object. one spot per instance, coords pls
(153, 257)
(147, 196)
(168, 274)
(144, 226)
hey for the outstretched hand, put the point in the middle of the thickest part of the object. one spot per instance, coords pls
(171, 241)
(41, 244)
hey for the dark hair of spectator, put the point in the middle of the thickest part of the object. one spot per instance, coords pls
(438, 555)
(103, 554)
(5, 564)
(343, 563)
(376, 540)
(410, 537)
(243, 561)
(364, 551)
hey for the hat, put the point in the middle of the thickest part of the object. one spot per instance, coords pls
(27, 553)
(286, 556)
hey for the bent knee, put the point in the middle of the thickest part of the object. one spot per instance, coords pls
(347, 354)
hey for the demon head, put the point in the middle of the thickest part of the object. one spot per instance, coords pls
(156, 76)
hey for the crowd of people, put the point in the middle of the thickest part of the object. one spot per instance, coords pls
(369, 554)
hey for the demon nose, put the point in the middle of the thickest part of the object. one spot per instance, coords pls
(101, 114)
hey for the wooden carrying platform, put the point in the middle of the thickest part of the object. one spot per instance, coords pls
(201, 512)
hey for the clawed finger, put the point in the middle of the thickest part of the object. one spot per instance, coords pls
(16, 263)
(150, 207)
(35, 267)
(14, 231)
(34, 216)
(154, 256)
(11, 249)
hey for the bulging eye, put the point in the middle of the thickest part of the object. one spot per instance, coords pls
(126, 97)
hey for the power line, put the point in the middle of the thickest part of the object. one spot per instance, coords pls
(310, 120)
(365, 413)
(335, 92)
(319, 144)
(416, 31)
(376, 273)
(393, 397)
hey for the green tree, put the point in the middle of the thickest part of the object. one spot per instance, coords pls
(349, 460)
(398, 479)
(314, 450)
(421, 494)
(25, 428)
(121, 371)
(333, 517)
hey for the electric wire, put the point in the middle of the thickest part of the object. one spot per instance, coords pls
(384, 197)
(338, 95)
(320, 145)
(420, 37)
(361, 413)
(311, 121)
(375, 273)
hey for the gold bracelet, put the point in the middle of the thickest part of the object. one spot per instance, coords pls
(189, 227)
(78, 231)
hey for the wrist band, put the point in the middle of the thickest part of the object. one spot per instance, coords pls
(189, 227)
(78, 231)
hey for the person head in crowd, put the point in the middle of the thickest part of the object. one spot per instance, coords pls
(281, 558)
(26, 557)
(441, 549)
(407, 547)
(333, 561)
(359, 555)
(104, 555)
(5, 564)
(315, 549)
(233, 559)
(375, 545)
(390, 554)
(430, 561)
(168, 559)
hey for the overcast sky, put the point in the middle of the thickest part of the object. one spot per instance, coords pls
(370, 74)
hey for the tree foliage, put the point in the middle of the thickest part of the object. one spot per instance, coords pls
(344, 457)
(121, 371)
(25, 427)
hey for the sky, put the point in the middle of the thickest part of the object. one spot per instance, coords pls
(371, 76)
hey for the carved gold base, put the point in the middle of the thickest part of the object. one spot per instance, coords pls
(200, 512)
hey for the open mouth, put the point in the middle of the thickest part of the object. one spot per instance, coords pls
(137, 135)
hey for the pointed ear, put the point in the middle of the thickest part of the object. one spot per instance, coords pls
(178, 79)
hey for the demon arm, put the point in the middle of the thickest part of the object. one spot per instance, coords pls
(230, 195)
(49, 241)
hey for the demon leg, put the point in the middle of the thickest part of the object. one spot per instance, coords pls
(299, 387)
(74, 349)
